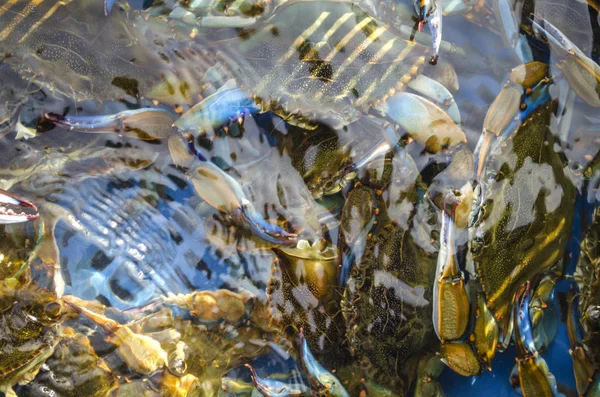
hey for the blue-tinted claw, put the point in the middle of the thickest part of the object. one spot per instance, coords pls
(14, 209)
(534, 376)
(272, 387)
(224, 193)
(145, 124)
(322, 381)
(220, 109)
(261, 228)
(108, 5)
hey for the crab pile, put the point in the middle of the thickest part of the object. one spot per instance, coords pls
(295, 198)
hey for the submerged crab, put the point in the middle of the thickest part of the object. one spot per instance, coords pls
(73, 370)
(520, 226)
(176, 64)
(184, 344)
(30, 332)
(372, 301)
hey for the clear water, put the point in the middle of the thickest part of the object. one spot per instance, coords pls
(130, 227)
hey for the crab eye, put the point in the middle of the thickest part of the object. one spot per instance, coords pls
(53, 310)
(592, 315)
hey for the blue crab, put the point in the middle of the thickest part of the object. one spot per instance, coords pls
(336, 39)
(30, 331)
(524, 198)
(177, 64)
(333, 95)
(73, 370)
(364, 307)
(499, 222)
(185, 344)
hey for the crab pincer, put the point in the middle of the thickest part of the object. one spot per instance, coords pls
(225, 106)
(224, 193)
(583, 368)
(15, 209)
(274, 388)
(141, 353)
(431, 14)
(144, 123)
(320, 379)
(535, 377)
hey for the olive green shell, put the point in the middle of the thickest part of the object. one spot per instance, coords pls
(28, 332)
(388, 298)
(388, 301)
(589, 283)
(528, 206)
(74, 370)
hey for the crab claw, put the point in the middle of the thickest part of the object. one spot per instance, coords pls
(534, 376)
(15, 209)
(273, 388)
(141, 353)
(451, 307)
(224, 193)
(582, 73)
(451, 304)
(319, 378)
(219, 109)
(424, 120)
(144, 124)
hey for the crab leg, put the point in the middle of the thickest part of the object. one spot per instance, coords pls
(582, 73)
(224, 193)
(534, 376)
(15, 209)
(544, 311)
(583, 368)
(320, 378)
(526, 90)
(145, 123)
(219, 109)
(274, 388)
(141, 353)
